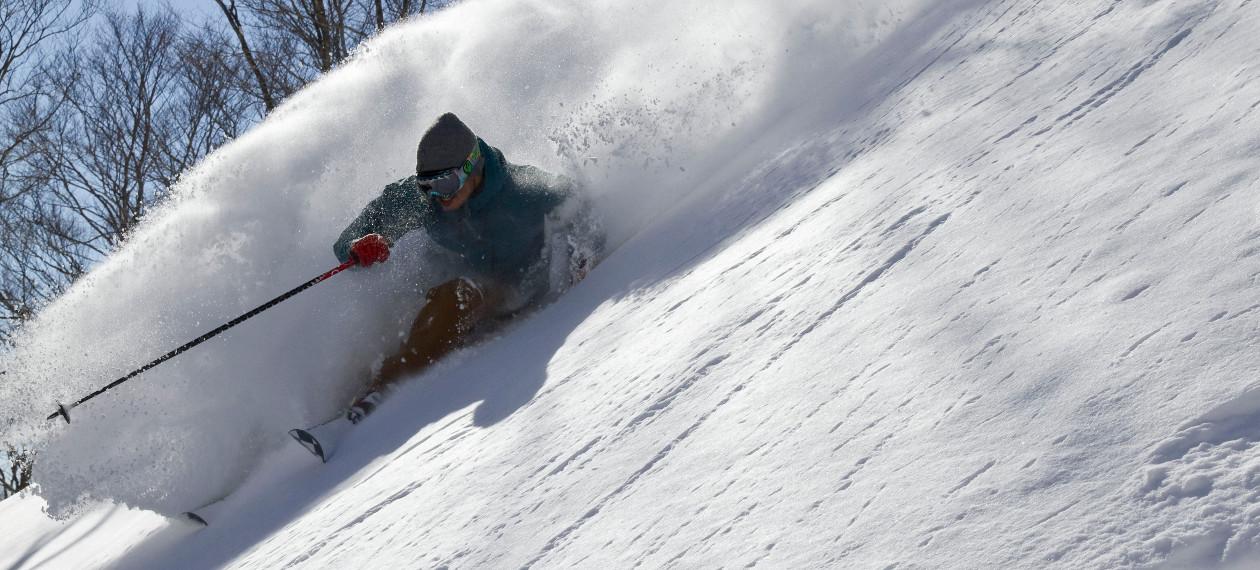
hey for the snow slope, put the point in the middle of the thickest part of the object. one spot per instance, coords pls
(965, 284)
(561, 86)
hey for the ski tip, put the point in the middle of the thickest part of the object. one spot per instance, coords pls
(196, 518)
(310, 443)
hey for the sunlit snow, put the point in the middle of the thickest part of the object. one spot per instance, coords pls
(916, 284)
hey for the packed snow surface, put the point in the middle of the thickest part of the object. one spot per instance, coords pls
(901, 284)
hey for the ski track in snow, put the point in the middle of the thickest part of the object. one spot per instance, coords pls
(998, 314)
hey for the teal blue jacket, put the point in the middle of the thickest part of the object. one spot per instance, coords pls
(498, 233)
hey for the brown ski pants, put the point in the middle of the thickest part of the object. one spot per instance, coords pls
(452, 310)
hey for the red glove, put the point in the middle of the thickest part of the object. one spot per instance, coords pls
(369, 249)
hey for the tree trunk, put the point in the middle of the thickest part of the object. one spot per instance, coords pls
(234, 20)
(323, 35)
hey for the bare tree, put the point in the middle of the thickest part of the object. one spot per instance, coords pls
(287, 43)
(26, 28)
(232, 13)
(324, 30)
(387, 11)
(17, 476)
(28, 104)
(102, 160)
(140, 103)
(210, 104)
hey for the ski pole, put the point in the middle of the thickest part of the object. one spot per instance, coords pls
(63, 410)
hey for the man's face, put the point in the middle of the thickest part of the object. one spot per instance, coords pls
(461, 197)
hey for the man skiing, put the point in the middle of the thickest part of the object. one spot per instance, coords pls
(519, 234)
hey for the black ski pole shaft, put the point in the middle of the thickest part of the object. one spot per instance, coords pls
(63, 410)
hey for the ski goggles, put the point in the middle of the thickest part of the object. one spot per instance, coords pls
(444, 184)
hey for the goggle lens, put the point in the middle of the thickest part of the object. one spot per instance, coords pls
(445, 184)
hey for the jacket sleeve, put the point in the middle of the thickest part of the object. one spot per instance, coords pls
(398, 210)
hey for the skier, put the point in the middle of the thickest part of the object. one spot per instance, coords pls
(520, 235)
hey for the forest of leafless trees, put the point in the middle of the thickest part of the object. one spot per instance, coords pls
(102, 109)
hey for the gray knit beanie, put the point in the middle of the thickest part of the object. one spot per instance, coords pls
(445, 145)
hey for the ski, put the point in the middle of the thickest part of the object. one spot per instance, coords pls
(196, 518)
(322, 439)
(310, 442)
(206, 513)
